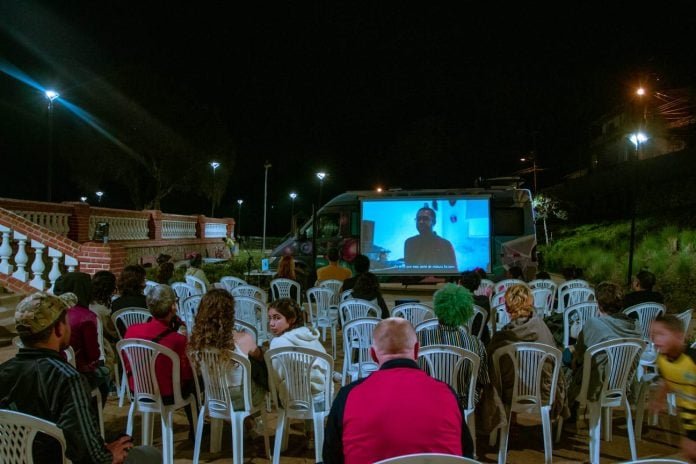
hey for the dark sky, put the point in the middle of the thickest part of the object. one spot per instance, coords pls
(375, 94)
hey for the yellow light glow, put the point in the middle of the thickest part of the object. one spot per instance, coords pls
(640, 91)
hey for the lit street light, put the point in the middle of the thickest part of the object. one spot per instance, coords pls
(239, 216)
(100, 194)
(320, 175)
(83, 199)
(214, 165)
(293, 195)
(266, 165)
(50, 95)
(636, 139)
(534, 169)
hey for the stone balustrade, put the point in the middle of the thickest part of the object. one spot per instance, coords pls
(215, 230)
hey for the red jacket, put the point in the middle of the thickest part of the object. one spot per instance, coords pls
(84, 338)
(163, 368)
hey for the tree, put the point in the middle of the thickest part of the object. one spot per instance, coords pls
(546, 207)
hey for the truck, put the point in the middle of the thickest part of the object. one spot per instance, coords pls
(491, 226)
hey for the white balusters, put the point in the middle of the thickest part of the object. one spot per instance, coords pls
(215, 230)
(57, 222)
(122, 228)
(178, 229)
(71, 263)
(38, 267)
(21, 258)
(53, 275)
(5, 251)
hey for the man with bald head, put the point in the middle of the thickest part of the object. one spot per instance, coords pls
(397, 410)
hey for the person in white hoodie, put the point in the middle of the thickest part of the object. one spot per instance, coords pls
(287, 325)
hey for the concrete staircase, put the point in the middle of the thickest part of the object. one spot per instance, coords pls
(8, 302)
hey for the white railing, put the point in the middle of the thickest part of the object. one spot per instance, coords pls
(215, 230)
(122, 228)
(178, 229)
(57, 222)
(19, 271)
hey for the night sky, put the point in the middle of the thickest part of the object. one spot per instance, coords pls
(375, 94)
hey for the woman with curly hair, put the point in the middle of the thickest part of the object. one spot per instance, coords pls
(131, 284)
(214, 328)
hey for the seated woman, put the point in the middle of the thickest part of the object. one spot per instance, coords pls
(196, 271)
(367, 288)
(214, 328)
(454, 306)
(131, 284)
(524, 327)
(287, 270)
(103, 288)
(165, 273)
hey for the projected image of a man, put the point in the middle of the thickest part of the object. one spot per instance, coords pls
(427, 248)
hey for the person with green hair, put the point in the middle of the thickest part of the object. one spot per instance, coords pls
(454, 307)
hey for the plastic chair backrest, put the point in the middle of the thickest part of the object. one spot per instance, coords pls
(543, 300)
(214, 370)
(622, 356)
(563, 288)
(685, 317)
(577, 315)
(285, 288)
(503, 285)
(455, 366)
(184, 290)
(429, 324)
(70, 356)
(188, 310)
(346, 295)
(357, 340)
(250, 310)
(141, 355)
(485, 288)
(319, 301)
(356, 308)
(428, 458)
(574, 295)
(528, 361)
(543, 283)
(646, 312)
(293, 366)
(126, 317)
(415, 313)
(502, 316)
(17, 434)
(230, 282)
(497, 298)
(198, 284)
(149, 285)
(250, 291)
(243, 326)
(335, 286)
(481, 315)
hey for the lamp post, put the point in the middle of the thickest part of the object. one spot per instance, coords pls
(293, 195)
(99, 194)
(637, 139)
(321, 176)
(83, 199)
(50, 95)
(266, 165)
(239, 216)
(534, 169)
(214, 165)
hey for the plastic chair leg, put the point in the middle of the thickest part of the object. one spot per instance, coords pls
(237, 439)
(215, 435)
(264, 424)
(502, 449)
(640, 409)
(318, 435)
(594, 425)
(471, 424)
(559, 429)
(629, 429)
(146, 428)
(608, 425)
(199, 436)
(546, 425)
(129, 424)
(280, 431)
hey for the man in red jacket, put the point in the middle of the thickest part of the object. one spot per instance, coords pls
(397, 410)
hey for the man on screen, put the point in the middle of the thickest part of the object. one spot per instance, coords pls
(427, 248)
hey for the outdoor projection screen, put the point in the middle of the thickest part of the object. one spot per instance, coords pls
(452, 235)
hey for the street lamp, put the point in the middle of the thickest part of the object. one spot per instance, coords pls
(636, 139)
(50, 95)
(239, 216)
(266, 165)
(293, 195)
(99, 195)
(83, 199)
(534, 169)
(214, 165)
(320, 175)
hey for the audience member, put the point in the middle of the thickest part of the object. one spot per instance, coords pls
(369, 422)
(333, 270)
(214, 328)
(84, 336)
(165, 273)
(642, 286)
(610, 324)
(677, 368)
(39, 382)
(543, 275)
(288, 270)
(367, 288)
(103, 288)
(471, 281)
(524, 327)
(195, 270)
(361, 264)
(131, 284)
(515, 272)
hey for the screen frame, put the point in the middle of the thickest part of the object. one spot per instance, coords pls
(429, 198)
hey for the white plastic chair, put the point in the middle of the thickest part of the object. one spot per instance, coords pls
(543, 283)
(320, 313)
(429, 324)
(122, 319)
(543, 301)
(497, 299)
(252, 291)
(563, 288)
(242, 326)
(285, 288)
(198, 284)
(219, 404)
(252, 311)
(335, 286)
(17, 434)
(188, 310)
(503, 285)
(481, 315)
(290, 371)
(574, 319)
(184, 290)
(355, 308)
(428, 458)
(149, 285)
(230, 282)
(622, 356)
(485, 288)
(459, 369)
(646, 313)
(357, 339)
(502, 316)
(528, 361)
(574, 295)
(346, 295)
(142, 356)
(685, 317)
(415, 313)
